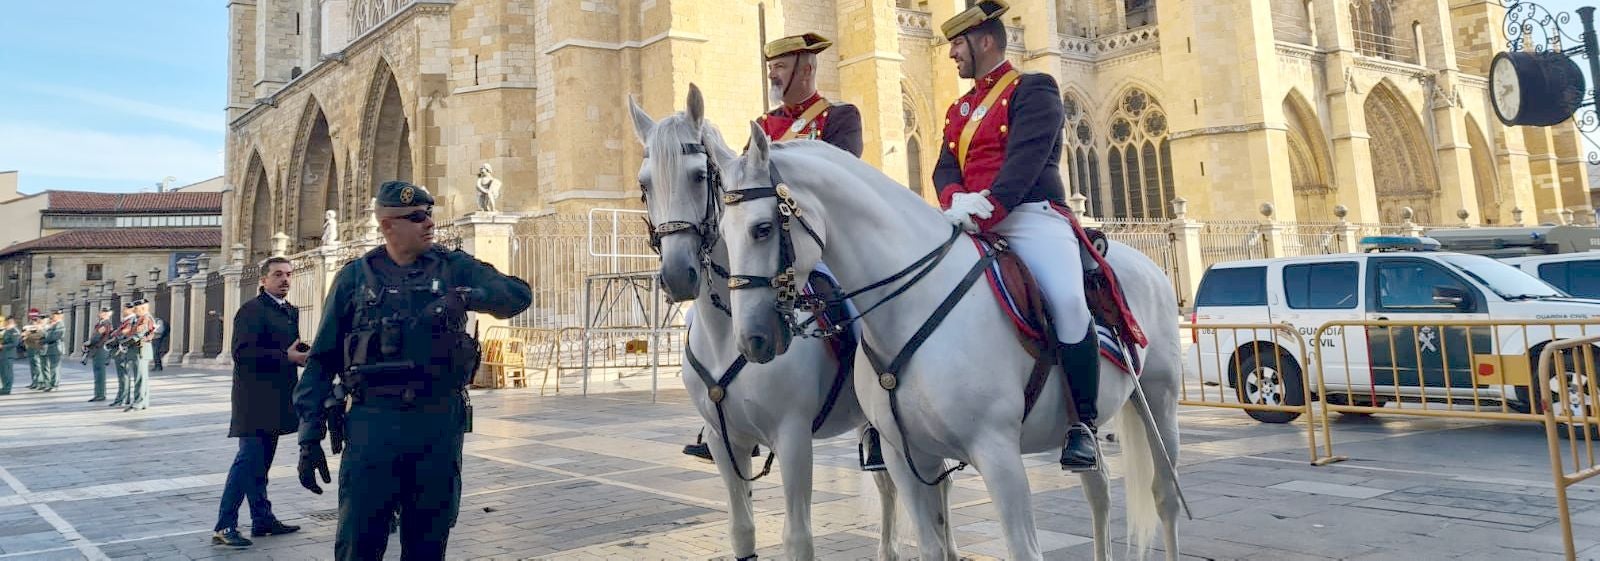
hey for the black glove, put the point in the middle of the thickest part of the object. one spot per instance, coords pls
(336, 433)
(312, 463)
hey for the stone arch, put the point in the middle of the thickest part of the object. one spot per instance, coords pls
(1490, 196)
(256, 210)
(1310, 167)
(385, 137)
(314, 183)
(1403, 174)
(1139, 158)
(911, 107)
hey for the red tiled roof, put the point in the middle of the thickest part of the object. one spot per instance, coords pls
(123, 238)
(88, 202)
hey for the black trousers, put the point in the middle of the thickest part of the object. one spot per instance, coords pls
(405, 458)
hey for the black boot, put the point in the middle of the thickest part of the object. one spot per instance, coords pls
(1081, 363)
(871, 451)
(699, 449)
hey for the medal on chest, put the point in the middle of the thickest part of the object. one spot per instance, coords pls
(966, 108)
(799, 125)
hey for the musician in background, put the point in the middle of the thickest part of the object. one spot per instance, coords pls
(97, 352)
(33, 343)
(10, 339)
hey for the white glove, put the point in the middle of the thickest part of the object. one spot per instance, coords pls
(965, 206)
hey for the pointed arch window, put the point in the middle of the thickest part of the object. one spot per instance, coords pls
(1141, 159)
(1082, 167)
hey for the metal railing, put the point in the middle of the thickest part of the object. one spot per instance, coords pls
(1248, 376)
(555, 255)
(1384, 46)
(1305, 238)
(1223, 241)
(1571, 365)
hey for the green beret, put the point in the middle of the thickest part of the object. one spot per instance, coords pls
(394, 194)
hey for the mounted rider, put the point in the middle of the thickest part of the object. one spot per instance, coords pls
(803, 114)
(999, 171)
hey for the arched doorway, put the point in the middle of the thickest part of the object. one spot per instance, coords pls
(386, 151)
(258, 210)
(1402, 170)
(316, 181)
(1483, 174)
(1309, 166)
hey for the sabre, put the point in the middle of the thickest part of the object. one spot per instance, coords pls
(1151, 429)
(761, 19)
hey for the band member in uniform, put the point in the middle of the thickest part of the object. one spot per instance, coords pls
(10, 339)
(33, 344)
(999, 172)
(98, 353)
(120, 355)
(141, 351)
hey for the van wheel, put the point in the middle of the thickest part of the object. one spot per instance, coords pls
(1575, 402)
(1270, 380)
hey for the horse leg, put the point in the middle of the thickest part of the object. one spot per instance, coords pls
(1000, 461)
(742, 522)
(1097, 490)
(888, 540)
(929, 506)
(794, 446)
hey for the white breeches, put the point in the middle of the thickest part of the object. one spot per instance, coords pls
(1045, 241)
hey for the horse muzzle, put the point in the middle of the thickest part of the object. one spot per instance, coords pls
(680, 279)
(767, 342)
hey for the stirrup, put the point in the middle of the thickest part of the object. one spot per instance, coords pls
(1075, 465)
(870, 451)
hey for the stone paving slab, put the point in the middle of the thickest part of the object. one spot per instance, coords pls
(602, 477)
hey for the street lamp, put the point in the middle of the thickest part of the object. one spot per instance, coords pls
(133, 280)
(155, 275)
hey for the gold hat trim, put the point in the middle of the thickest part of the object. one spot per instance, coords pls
(982, 12)
(806, 43)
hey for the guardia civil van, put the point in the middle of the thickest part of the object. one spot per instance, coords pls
(1397, 279)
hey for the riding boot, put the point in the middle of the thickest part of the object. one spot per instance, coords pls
(699, 449)
(871, 451)
(1081, 363)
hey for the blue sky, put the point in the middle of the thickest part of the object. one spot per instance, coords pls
(112, 95)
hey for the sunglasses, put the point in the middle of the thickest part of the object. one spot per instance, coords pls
(416, 216)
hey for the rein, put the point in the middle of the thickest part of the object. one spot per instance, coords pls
(706, 228)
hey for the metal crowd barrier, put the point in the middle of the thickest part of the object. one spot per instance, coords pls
(1573, 418)
(1239, 385)
(597, 360)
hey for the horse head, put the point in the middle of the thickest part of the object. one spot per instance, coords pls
(680, 183)
(771, 229)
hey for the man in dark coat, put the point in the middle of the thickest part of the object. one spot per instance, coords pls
(265, 368)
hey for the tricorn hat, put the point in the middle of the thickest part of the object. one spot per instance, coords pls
(794, 44)
(978, 13)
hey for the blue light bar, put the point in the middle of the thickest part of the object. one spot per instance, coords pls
(1399, 243)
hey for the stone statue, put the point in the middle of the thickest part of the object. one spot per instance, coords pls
(488, 189)
(330, 228)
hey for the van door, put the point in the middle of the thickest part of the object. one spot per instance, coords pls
(1580, 278)
(1319, 293)
(1414, 358)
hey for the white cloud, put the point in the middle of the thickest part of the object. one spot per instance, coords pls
(211, 121)
(89, 154)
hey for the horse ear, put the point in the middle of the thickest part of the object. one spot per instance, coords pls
(642, 123)
(756, 153)
(697, 105)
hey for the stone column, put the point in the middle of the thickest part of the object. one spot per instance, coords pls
(869, 76)
(1272, 232)
(230, 305)
(1346, 236)
(1189, 263)
(197, 312)
(487, 236)
(175, 324)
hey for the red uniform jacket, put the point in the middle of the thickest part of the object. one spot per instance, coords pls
(1015, 152)
(839, 125)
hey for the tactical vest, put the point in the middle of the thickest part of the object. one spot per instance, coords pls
(400, 340)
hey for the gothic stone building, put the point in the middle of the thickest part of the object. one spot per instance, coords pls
(1376, 105)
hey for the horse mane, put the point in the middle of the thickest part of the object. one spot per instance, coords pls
(665, 139)
(874, 182)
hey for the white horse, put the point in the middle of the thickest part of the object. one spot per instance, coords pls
(774, 404)
(961, 396)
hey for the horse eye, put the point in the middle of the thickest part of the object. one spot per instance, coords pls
(761, 231)
(699, 177)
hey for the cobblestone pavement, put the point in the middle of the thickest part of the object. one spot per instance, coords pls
(601, 477)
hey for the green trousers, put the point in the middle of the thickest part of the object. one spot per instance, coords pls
(6, 372)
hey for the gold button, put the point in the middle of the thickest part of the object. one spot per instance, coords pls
(952, 146)
(1002, 129)
(1004, 101)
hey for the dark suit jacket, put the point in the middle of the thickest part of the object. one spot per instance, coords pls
(263, 376)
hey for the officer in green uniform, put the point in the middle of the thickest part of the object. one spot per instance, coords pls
(99, 335)
(393, 331)
(117, 347)
(33, 343)
(140, 350)
(10, 339)
(55, 345)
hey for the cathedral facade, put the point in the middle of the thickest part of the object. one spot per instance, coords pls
(1374, 105)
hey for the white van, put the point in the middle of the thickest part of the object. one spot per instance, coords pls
(1372, 366)
(1577, 274)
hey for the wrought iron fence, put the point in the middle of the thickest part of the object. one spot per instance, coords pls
(555, 254)
(1151, 237)
(1309, 238)
(1223, 241)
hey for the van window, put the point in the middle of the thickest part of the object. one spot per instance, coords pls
(1242, 286)
(1322, 286)
(1407, 285)
(1578, 278)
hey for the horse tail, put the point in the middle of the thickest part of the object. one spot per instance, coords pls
(1139, 461)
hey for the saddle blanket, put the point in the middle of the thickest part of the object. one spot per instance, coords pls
(1112, 347)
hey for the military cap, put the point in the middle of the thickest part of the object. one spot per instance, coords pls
(140, 302)
(105, 308)
(978, 13)
(57, 312)
(127, 305)
(33, 312)
(795, 44)
(399, 194)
